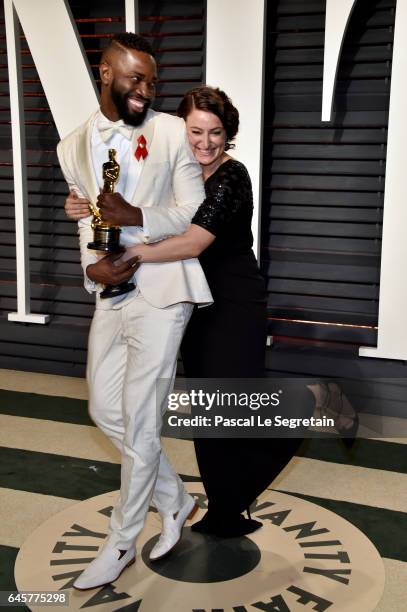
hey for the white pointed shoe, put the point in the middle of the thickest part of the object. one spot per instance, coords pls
(106, 568)
(172, 529)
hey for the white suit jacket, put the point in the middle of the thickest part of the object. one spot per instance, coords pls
(169, 190)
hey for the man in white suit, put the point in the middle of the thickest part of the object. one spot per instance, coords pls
(134, 339)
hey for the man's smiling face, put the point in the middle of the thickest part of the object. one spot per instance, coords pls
(132, 76)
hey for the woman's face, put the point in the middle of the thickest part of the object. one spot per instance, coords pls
(207, 138)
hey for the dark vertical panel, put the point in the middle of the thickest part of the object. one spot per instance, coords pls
(324, 183)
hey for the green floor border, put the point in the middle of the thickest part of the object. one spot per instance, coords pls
(47, 407)
(385, 528)
(373, 454)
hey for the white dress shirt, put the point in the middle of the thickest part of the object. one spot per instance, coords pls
(130, 167)
(130, 171)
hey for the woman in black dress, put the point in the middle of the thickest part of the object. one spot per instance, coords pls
(227, 339)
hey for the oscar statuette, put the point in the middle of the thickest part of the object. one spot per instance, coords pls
(106, 237)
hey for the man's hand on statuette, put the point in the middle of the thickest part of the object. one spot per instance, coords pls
(106, 272)
(116, 211)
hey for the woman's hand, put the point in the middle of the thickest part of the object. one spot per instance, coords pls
(133, 251)
(75, 207)
(190, 244)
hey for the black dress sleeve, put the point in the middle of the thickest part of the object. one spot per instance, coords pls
(227, 191)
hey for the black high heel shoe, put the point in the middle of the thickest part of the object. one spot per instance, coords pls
(229, 526)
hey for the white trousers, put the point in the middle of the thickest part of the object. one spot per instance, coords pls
(129, 350)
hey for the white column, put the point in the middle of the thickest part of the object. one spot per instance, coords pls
(64, 71)
(132, 16)
(23, 313)
(392, 335)
(336, 23)
(235, 48)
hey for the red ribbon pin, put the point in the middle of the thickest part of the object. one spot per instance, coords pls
(141, 150)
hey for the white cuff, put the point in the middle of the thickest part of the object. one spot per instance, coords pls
(135, 234)
(89, 285)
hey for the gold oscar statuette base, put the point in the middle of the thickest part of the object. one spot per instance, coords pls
(106, 238)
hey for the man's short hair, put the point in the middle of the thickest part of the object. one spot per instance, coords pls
(129, 40)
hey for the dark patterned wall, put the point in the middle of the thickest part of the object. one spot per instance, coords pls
(177, 32)
(324, 183)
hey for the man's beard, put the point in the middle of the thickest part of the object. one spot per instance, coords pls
(130, 117)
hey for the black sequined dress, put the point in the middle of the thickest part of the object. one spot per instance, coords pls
(228, 340)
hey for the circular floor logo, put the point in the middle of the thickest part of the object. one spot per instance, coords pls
(303, 558)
